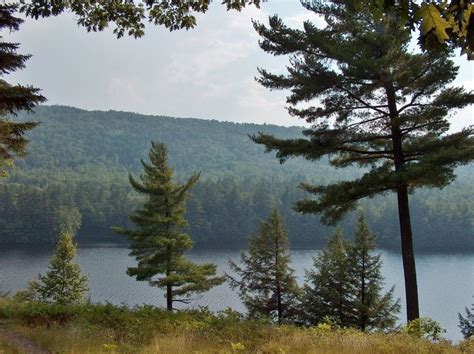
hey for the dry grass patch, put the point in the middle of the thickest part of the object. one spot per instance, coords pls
(111, 329)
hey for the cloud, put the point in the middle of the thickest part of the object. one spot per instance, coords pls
(207, 72)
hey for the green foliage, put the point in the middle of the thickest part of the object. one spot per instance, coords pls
(370, 309)
(94, 327)
(68, 219)
(79, 161)
(265, 281)
(466, 323)
(424, 328)
(372, 103)
(439, 22)
(158, 242)
(63, 284)
(13, 98)
(381, 107)
(327, 292)
(34, 313)
(129, 17)
(344, 288)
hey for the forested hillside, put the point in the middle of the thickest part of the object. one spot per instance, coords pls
(79, 160)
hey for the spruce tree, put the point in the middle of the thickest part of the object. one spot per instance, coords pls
(466, 323)
(13, 98)
(377, 105)
(158, 243)
(327, 292)
(266, 282)
(370, 309)
(63, 283)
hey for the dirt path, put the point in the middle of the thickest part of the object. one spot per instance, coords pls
(23, 344)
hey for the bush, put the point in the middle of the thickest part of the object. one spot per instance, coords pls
(34, 313)
(424, 328)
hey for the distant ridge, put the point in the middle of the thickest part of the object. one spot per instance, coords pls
(72, 138)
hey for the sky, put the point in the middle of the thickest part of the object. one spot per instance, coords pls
(208, 72)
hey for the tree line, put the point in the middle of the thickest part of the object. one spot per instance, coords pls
(222, 212)
(373, 104)
(342, 290)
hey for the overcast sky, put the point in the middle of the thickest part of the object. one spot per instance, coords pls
(206, 73)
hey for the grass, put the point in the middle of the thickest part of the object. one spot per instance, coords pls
(7, 348)
(118, 329)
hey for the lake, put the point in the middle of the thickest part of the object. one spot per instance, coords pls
(446, 281)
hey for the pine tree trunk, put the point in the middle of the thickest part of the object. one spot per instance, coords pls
(409, 268)
(278, 284)
(408, 256)
(169, 287)
(363, 322)
(169, 297)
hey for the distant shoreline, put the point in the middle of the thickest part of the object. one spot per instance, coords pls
(200, 248)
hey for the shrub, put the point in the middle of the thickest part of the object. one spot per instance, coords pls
(424, 328)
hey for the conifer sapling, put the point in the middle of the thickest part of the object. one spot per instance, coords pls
(63, 283)
(327, 292)
(265, 281)
(371, 309)
(466, 323)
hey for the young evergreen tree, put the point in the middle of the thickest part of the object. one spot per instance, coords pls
(370, 309)
(265, 281)
(327, 292)
(466, 324)
(63, 283)
(378, 105)
(13, 98)
(159, 243)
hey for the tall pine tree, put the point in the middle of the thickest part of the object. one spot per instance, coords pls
(265, 280)
(378, 105)
(371, 309)
(158, 242)
(13, 98)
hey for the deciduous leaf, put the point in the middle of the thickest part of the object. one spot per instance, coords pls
(433, 21)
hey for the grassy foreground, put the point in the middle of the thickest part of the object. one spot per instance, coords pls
(111, 329)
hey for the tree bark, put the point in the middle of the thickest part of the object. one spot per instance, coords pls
(408, 256)
(169, 297)
(363, 322)
(169, 287)
(278, 284)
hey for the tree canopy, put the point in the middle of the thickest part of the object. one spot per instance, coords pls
(78, 165)
(372, 103)
(13, 98)
(158, 242)
(440, 24)
(266, 283)
(63, 283)
(129, 17)
(371, 309)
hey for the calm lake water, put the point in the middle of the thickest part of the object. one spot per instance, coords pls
(446, 281)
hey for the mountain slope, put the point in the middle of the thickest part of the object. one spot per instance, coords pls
(73, 138)
(79, 161)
